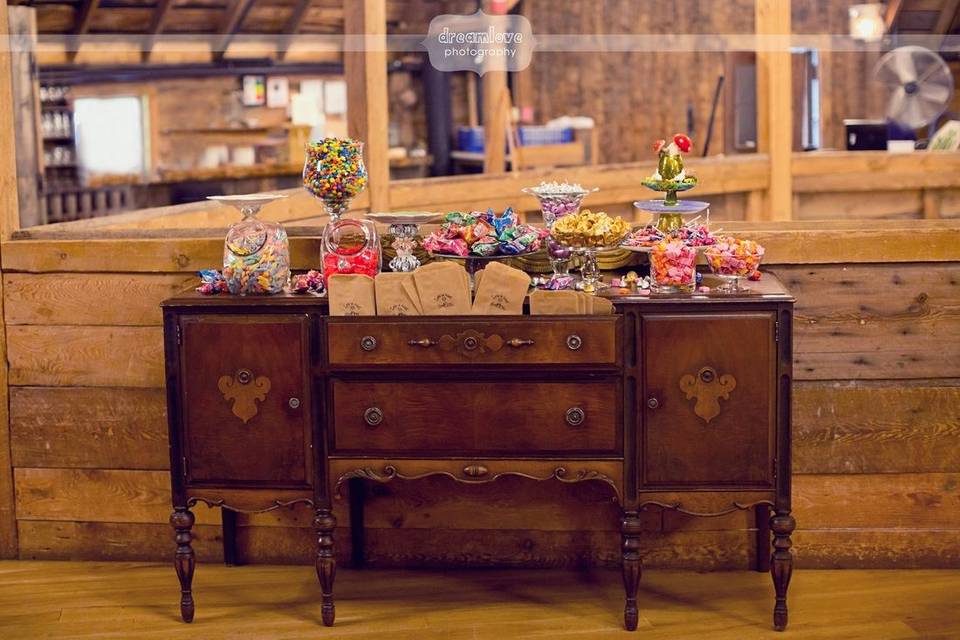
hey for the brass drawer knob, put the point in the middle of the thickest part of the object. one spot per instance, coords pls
(475, 471)
(575, 416)
(294, 403)
(574, 342)
(516, 343)
(652, 402)
(373, 416)
(368, 343)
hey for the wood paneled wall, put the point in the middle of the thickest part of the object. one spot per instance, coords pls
(876, 429)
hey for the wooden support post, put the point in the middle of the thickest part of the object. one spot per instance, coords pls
(436, 91)
(775, 105)
(367, 106)
(26, 105)
(9, 222)
(494, 116)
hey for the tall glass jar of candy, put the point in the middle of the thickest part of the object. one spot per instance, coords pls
(350, 246)
(334, 172)
(256, 254)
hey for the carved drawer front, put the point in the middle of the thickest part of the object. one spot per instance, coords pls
(245, 400)
(529, 340)
(438, 417)
(710, 400)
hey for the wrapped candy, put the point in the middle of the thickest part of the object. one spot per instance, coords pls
(673, 267)
(507, 219)
(451, 246)
(212, 282)
(483, 233)
(256, 258)
(309, 282)
(486, 246)
(589, 229)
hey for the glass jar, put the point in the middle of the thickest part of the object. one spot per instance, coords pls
(334, 173)
(673, 267)
(350, 246)
(256, 254)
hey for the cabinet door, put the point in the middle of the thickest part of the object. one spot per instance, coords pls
(245, 400)
(709, 407)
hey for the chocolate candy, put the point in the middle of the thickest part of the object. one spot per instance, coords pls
(334, 170)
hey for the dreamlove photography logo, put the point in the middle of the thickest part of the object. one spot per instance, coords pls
(479, 42)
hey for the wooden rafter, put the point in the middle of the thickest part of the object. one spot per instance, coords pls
(292, 28)
(157, 22)
(947, 15)
(893, 10)
(235, 15)
(82, 25)
(85, 16)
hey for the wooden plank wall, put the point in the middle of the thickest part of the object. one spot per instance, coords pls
(877, 430)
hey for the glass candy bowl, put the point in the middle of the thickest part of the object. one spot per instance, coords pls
(334, 172)
(732, 260)
(256, 254)
(350, 246)
(553, 206)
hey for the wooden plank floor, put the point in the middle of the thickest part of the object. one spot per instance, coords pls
(138, 600)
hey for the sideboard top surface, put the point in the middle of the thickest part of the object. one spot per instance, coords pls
(767, 289)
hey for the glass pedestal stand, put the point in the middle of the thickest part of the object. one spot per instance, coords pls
(553, 206)
(670, 217)
(404, 242)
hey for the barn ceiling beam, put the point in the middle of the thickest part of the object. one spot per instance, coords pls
(157, 22)
(231, 25)
(893, 10)
(292, 28)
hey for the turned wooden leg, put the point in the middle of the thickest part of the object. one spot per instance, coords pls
(183, 560)
(632, 567)
(326, 564)
(781, 565)
(763, 537)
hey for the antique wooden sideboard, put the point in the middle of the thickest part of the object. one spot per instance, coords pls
(675, 402)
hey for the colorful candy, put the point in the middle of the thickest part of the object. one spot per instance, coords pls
(309, 282)
(256, 258)
(673, 267)
(212, 282)
(692, 234)
(734, 257)
(334, 171)
(483, 233)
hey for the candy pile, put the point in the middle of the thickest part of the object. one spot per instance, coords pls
(734, 257)
(211, 282)
(589, 229)
(309, 282)
(256, 258)
(558, 188)
(673, 266)
(334, 169)
(692, 234)
(483, 233)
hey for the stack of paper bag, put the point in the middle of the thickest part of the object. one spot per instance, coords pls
(568, 303)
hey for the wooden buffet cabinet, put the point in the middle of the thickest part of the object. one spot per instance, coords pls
(674, 402)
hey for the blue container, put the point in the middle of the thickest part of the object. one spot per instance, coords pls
(545, 135)
(470, 139)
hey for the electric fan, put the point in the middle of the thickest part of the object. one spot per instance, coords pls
(919, 85)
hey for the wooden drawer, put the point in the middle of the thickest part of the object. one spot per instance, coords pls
(441, 418)
(574, 340)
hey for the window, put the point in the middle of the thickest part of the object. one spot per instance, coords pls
(110, 135)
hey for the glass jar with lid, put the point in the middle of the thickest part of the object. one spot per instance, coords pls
(256, 253)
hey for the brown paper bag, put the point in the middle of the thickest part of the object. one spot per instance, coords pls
(601, 306)
(443, 289)
(351, 295)
(393, 298)
(555, 303)
(501, 291)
